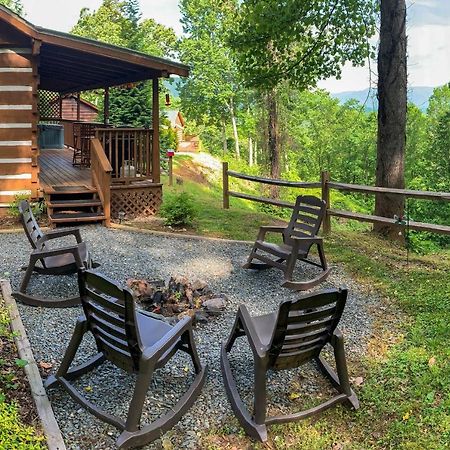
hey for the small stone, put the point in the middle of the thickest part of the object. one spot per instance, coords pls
(200, 317)
(198, 285)
(215, 304)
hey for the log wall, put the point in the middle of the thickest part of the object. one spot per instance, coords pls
(18, 116)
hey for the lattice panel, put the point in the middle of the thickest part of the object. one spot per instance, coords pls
(136, 201)
(48, 105)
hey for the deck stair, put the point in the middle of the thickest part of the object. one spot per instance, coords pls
(67, 205)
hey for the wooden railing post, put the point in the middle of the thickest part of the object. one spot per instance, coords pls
(324, 179)
(226, 197)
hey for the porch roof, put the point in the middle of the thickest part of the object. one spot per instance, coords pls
(70, 63)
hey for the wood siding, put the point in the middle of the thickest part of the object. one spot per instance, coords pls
(18, 117)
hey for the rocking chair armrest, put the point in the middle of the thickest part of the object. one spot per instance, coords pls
(336, 336)
(255, 343)
(312, 239)
(269, 229)
(73, 249)
(167, 341)
(54, 234)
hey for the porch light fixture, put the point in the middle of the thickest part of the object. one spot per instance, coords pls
(167, 99)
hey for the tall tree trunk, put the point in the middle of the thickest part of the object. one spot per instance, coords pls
(224, 138)
(255, 153)
(392, 84)
(250, 151)
(235, 130)
(274, 140)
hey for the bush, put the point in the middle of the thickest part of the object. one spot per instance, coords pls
(38, 208)
(179, 210)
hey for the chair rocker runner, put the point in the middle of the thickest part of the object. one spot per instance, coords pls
(298, 237)
(134, 342)
(286, 339)
(52, 261)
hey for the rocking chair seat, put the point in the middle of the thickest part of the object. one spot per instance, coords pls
(280, 250)
(67, 259)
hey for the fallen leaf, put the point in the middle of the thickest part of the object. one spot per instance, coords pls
(167, 444)
(431, 361)
(337, 446)
(45, 365)
(406, 416)
(358, 381)
(294, 395)
(88, 388)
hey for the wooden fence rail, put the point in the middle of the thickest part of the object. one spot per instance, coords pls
(326, 185)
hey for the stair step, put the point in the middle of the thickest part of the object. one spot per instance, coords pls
(73, 203)
(65, 190)
(76, 217)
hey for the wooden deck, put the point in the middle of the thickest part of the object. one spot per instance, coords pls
(56, 170)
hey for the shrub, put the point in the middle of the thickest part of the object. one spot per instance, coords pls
(38, 208)
(179, 210)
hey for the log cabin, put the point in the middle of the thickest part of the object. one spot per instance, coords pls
(102, 171)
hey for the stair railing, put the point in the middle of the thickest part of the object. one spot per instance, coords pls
(101, 176)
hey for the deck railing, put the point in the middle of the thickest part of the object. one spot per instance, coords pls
(129, 150)
(325, 185)
(101, 176)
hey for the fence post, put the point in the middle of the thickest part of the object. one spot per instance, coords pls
(324, 179)
(226, 197)
(170, 171)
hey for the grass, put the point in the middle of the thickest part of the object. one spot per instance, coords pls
(16, 410)
(405, 397)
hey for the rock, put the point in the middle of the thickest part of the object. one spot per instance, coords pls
(217, 303)
(200, 317)
(198, 285)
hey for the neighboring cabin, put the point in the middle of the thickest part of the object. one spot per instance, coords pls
(88, 111)
(186, 142)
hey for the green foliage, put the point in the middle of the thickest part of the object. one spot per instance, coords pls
(39, 208)
(179, 210)
(14, 435)
(14, 5)
(300, 42)
(119, 23)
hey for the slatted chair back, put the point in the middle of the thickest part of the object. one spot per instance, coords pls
(110, 314)
(31, 227)
(304, 326)
(306, 218)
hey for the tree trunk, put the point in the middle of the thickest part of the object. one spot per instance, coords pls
(250, 151)
(235, 130)
(255, 153)
(392, 83)
(274, 140)
(224, 138)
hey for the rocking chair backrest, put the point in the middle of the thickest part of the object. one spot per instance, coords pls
(306, 218)
(304, 326)
(110, 313)
(31, 227)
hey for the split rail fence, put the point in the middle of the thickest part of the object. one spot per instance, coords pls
(326, 185)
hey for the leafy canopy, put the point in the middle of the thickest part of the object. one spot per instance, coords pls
(300, 41)
(14, 5)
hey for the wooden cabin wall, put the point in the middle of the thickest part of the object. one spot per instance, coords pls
(18, 115)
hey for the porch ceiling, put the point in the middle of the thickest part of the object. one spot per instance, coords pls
(70, 63)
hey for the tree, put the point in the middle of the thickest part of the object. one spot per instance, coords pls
(119, 23)
(210, 95)
(14, 5)
(392, 104)
(299, 43)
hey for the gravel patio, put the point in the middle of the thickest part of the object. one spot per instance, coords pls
(125, 254)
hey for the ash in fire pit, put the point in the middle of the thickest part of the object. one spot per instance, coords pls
(180, 297)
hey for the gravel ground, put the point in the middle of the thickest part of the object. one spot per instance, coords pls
(126, 254)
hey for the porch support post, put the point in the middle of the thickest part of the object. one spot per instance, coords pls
(60, 104)
(155, 118)
(78, 106)
(106, 106)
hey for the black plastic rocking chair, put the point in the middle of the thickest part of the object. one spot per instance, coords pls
(295, 334)
(134, 342)
(63, 260)
(298, 237)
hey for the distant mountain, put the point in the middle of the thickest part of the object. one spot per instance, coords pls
(419, 95)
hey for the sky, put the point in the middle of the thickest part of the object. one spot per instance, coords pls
(428, 37)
